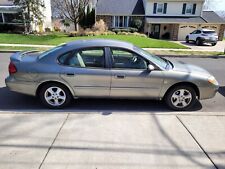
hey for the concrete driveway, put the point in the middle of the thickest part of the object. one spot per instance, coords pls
(220, 47)
(107, 134)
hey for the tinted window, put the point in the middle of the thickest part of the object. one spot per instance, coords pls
(198, 32)
(1, 20)
(127, 60)
(92, 58)
(209, 32)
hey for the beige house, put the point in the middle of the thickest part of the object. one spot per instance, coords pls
(11, 17)
(163, 19)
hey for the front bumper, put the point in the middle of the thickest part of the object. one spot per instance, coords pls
(23, 87)
(208, 92)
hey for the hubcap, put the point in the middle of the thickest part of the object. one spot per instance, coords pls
(55, 96)
(181, 98)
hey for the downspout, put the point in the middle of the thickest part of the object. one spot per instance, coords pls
(3, 18)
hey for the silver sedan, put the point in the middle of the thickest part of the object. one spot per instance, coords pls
(107, 69)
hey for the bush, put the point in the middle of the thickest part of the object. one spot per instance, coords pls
(132, 30)
(100, 26)
(137, 23)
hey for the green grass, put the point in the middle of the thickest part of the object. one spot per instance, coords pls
(56, 39)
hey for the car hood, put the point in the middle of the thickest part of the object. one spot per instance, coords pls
(189, 68)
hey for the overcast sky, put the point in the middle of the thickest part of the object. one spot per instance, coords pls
(216, 5)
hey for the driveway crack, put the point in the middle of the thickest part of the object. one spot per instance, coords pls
(197, 142)
(64, 122)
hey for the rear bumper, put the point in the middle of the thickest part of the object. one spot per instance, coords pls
(28, 88)
(209, 40)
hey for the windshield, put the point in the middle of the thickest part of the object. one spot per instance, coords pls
(49, 51)
(155, 59)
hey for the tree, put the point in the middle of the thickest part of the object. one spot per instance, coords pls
(72, 10)
(31, 9)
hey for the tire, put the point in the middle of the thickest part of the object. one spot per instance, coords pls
(198, 42)
(59, 96)
(187, 39)
(174, 94)
(214, 44)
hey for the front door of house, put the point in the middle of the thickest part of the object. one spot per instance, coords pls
(155, 31)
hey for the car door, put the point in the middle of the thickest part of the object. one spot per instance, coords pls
(192, 35)
(196, 35)
(131, 77)
(85, 70)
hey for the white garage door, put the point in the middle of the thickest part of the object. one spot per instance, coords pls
(184, 30)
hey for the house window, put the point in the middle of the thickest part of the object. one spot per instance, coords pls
(160, 8)
(189, 8)
(120, 21)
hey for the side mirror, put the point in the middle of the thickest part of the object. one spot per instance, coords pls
(151, 67)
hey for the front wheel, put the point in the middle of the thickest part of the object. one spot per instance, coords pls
(187, 39)
(181, 98)
(55, 96)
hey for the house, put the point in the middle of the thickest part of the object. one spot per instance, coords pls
(11, 17)
(162, 19)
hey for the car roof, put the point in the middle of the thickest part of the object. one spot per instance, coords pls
(206, 30)
(99, 43)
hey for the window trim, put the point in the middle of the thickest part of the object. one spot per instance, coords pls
(86, 48)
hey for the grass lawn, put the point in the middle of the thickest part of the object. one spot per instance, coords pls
(56, 39)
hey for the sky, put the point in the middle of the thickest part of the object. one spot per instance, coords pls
(216, 5)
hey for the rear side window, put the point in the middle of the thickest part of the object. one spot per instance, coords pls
(209, 32)
(85, 58)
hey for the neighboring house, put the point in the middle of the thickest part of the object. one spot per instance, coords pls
(163, 19)
(12, 16)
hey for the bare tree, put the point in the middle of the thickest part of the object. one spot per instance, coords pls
(72, 10)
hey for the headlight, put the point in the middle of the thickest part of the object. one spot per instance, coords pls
(212, 80)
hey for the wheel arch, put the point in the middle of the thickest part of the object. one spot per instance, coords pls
(53, 82)
(190, 84)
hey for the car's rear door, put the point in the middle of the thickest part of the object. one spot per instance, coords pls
(86, 71)
(131, 77)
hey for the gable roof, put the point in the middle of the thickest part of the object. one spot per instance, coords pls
(120, 7)
(212, 17)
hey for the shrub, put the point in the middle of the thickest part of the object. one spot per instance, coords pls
(116, 30)
(73, 34)
(137, 23)
(100, 26)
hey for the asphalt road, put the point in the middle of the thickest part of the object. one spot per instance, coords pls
(14, 101)
(112, 134)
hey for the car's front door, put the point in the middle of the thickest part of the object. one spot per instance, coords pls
(131, 77)
(85, 70)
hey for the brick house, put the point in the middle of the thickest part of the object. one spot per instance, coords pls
(162, 19)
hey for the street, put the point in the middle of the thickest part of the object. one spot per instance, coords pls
(112, 134)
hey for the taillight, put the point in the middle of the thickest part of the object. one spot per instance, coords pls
(12, 68)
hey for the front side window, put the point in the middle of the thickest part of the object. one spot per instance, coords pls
(160, 8)
(1, 19)
(189, 8)
(123, 59)
(85, 58)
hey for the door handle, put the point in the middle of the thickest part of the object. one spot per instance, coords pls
(70, 74)
(120, 76)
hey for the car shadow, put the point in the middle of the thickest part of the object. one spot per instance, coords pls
(193, 44)
(11, 101)
(222, 91)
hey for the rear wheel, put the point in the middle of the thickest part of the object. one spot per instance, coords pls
(198, 42)
(214, 44)
(55, 96)
(181, 98)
